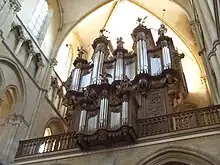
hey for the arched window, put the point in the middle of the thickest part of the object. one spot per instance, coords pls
(8, 103)
(47, 132)
(39, 18)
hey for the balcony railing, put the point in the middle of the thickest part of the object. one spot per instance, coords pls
(145, 127)
(179, 121)
(46, 144)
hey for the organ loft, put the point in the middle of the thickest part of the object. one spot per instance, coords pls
(127, 90)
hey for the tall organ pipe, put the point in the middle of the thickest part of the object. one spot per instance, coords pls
(166, 57)
(103, 113)
(97, 69)
(82, 121)
(75, 79)
(119, 69)
(142, 56)
(124, 112)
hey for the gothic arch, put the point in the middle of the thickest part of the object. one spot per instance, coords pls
(56, 126)
(2, 83)
(65, 31)
(178, 154)
(16, 69)
(11, 98)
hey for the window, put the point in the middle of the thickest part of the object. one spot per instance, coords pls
(47, 132)
(65, 58)
(39, 18)
(44, 146)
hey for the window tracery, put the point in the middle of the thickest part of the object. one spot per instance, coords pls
(39, 18)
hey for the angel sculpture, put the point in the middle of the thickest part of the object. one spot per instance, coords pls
(104, 77)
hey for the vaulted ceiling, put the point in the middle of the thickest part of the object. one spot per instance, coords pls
(177, 16)
(85, 18)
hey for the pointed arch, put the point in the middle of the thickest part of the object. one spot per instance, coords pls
(2, 83)
(178, 154)
(55, 125)
(18, 72)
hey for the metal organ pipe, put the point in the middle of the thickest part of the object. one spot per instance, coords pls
(166, 57)
(103, 113)
(124, 112)
(75, 79)
(142, 56)
(119, 69)
(138, 58)
(97, 69)
(145, 56)
(82, 121)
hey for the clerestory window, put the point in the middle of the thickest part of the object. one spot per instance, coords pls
(39, 18)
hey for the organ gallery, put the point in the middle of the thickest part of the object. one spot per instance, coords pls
(110, 98)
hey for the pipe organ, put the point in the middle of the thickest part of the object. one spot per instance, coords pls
(148, 82)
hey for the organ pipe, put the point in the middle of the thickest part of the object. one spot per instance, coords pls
(142, 56)
(119, 69)
(125, 112)
(103, 113)
(75, 79)
(97, 68)
(82, 121)
(166, 57)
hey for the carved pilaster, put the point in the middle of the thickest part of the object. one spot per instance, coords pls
(31, 53)
(54, 86)
(20, 39)
(53, 63)
(40, 65)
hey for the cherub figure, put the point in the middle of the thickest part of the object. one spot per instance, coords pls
(105, 76)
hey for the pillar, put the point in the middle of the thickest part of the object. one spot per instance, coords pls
(213, 59)
(21, 39)
(31, 53)
(53, 63)
(9, 10)
(39, 71)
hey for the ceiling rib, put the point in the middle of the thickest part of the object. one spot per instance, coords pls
(111, 12)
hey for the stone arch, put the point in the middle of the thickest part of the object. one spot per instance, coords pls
(2, 83)
(56, 126)
(18, 72)
(11, 98)
(178, 154)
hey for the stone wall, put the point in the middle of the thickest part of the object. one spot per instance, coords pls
(193, 150)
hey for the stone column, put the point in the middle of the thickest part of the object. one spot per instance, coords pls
(204, 81)
(213, 59)
(39, 70)
(12, 123)
(9, 11)
(53, 63)
(31, 53)
(211, 82)
(21, 39)
(208, 25)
